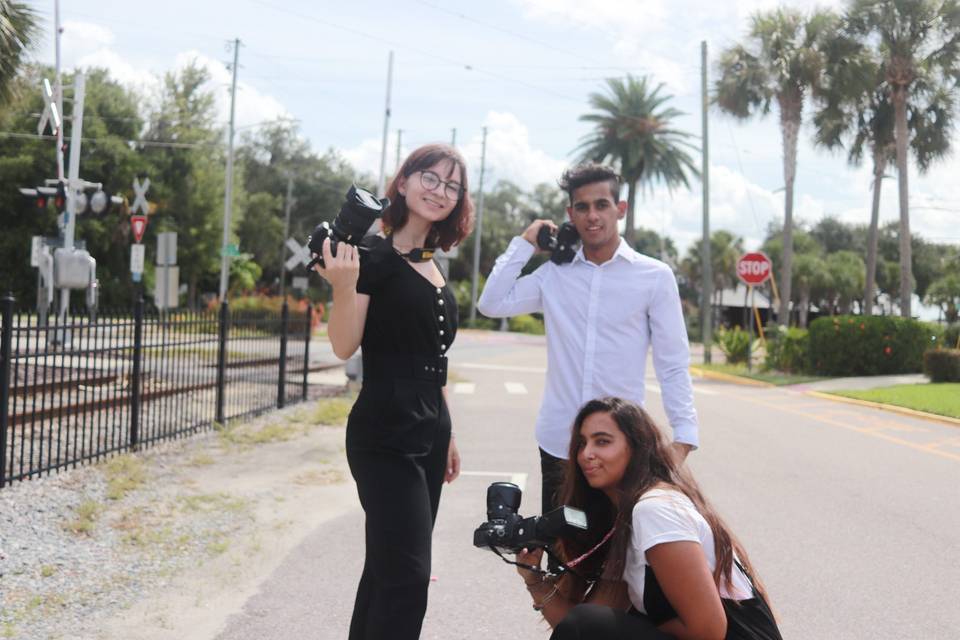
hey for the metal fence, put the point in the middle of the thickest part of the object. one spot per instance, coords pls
(82, 389)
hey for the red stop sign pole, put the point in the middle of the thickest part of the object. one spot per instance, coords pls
(754, 269)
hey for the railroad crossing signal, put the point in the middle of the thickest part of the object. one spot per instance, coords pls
(50, 113)
(140, 202)
(301, 255)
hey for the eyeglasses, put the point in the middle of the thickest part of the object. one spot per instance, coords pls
(430, 181)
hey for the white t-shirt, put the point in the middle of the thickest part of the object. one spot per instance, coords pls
(667, 515)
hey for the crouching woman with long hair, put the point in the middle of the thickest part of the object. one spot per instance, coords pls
(657, 561)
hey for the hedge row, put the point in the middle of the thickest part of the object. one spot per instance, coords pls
(874, 345)
(942, 365)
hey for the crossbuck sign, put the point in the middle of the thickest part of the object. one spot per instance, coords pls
(140, 202)
(301, 255)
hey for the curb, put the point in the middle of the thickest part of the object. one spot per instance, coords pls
(913, 413)
(729, 377)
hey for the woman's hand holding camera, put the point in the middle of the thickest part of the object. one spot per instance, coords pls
(531, 559)
(342, 270)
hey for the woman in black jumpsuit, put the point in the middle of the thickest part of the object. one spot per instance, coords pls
(397, 306)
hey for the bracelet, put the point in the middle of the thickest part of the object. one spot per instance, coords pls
(538, 606)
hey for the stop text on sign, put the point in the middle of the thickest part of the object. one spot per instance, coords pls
(754, 268)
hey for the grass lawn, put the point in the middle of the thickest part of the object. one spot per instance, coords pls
(773, 377)
(940, 398)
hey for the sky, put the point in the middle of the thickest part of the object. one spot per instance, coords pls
(521, 68)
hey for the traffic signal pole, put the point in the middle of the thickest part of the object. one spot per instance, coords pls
(228, 196)
(74, 184)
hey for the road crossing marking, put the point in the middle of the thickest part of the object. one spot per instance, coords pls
(466, 388)
(501, 367)
(515, 388)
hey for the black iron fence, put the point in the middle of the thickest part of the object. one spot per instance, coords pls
(80, 389)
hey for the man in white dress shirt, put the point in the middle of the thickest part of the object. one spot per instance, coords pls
(602, 312)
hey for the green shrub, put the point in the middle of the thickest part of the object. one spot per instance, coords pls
(867, 346)
(942, 365)
(788, 350)
(735, 344)
(527, 324)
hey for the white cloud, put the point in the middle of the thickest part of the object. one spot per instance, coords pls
(510, 155)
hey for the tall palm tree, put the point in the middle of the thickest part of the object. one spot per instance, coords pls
(856, 113)
(18, 32)
(919, 48)
(781, 62)
(633, 129)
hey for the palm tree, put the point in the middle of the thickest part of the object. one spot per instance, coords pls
(632, 128)
(18, 32)
(782, 61)
(919, 50)
(856, 113)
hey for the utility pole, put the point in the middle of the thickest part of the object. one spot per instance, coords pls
(228, 197)
(74, 184)
(478, 231)
(59, 88)
(399, 138)
(706, 312)
(382, 182)
(286, 233)
(453, 137)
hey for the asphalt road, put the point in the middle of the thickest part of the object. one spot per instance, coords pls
(851, 515)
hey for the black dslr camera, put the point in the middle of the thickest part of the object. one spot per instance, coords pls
(357, 213)
(563, 246)
(505, 531)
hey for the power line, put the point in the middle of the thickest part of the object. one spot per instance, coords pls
(401, 46)
(143, 143)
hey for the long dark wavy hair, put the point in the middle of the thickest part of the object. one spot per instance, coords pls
(651, 464)
(456, 226)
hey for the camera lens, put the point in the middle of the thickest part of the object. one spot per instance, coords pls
(503, 499)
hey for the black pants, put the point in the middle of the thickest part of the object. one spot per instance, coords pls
(551, 475)
(750, 620)
(397, 439)
(596, 622)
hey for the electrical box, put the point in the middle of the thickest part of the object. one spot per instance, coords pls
(73, 269)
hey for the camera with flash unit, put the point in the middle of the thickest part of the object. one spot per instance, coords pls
(357, 214)
(505, 531)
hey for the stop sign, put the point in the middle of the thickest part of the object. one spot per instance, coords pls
(754, 268)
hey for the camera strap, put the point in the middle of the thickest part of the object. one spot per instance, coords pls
(577, 561)
(419, 254)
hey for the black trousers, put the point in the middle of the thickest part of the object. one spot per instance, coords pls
(397, 440)
(749, 620)
(552, 469)
(596, 622)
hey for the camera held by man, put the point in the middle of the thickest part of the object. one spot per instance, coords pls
(562, 245)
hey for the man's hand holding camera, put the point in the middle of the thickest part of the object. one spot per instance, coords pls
(343, 269)
(530, 234)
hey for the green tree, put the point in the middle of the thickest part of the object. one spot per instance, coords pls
(270, 157)
(633, 127)
(856, 113)
(847, 273)
(811, 281)
(19, 29)
(945, 293)
(782, 61)
(187, 177)
(725, 250)
(919, 49)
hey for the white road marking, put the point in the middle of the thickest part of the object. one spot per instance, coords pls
(466, 388)
(499, 367)
(519, 479)
(515, 388)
